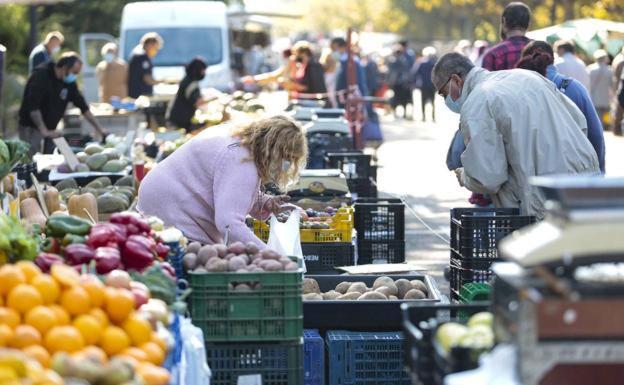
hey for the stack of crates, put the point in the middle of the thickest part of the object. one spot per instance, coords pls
(253, 330)
(475, 233)
(380, 227)
(361, 174)
(313, 358)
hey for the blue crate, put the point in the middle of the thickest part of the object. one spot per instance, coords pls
(175, 257)
(313, 358)
(366, 358)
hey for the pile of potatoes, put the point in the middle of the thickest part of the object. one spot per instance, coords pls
(384, 288)
(237, 257)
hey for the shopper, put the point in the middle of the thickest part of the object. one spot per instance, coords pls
(140, 78)
(515, 22)
(422, 77)
(538, 56)
(188, 98)
(310, 77)
(569, 64)
(42, 53)
(112, 75)
(330, 62)
(600, 81)
(515, 125)
(282, 74)
(617, 111)
(48, 91)
(399, 81)
(338, 45)
(212, 182)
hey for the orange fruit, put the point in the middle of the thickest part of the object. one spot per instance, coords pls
(24, 297)
(138, 329)
(9, 317)
(152, 374)
(155, 354)
(47, 287)
(119, 304)
(135, 353)
(89, 327)
(38, 353)
(76, 301)
(64, 339)
(41, 318)
(6, 334)
(65, 275)
(95, 288)
(114, 340)
(29, 269)
(100, 315)
(155, 338)
(94, 353)
(25, 335)
(62, 316)
(10, 276)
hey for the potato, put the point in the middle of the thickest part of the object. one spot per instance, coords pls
(310, 286)
(245, 258)
(415, 294)
(200, 269)
(331, 295)
(419, 285)
(343, 287)
(255, 256)
(193, 247)
(212, 260)
(312, 297)
(242, 287)
(404, 286)
(205, 253)
(373, 295)
(385, 290)
(254, 269)
(284, 261)
(349, 296)
(359, 287)
(251, 248)
(270, 254)
(382, 281)
(237, 248)
(244, 270)
(221, 249)
(271, 265)
(220, 265)
(291, 266)
(393, 298)
(236, 263)
(229, 256)
(189, 261)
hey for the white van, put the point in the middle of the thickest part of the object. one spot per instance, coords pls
(188, 29)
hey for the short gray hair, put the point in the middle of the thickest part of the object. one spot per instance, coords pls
(109, 47)
(451, 64)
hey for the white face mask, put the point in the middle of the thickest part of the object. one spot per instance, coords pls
(56, 49)
(285, 165)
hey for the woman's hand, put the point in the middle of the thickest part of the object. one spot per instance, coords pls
(274, 203)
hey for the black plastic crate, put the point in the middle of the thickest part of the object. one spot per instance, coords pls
(322, 143)
(355, 165)
(380, 252)
(324, 257)
(362, 188)
(475, 232)
(77, 140)
(465, 271)
(276, 364)
(380, 219)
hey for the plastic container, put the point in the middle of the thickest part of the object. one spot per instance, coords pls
(362, 188)
(353, 164)
(464, 271)
(362, 315)
(275, 364)
(380, 252)
(272, 311)
(365, 358)
(324, 257)
(175, 257)
(313, 358)
(380, 219)
(475, 232)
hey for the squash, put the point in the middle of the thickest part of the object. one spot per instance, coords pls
(29, 193)
(78, 203)
(32, 213)
(52, 201)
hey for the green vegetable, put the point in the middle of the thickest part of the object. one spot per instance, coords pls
(160, 284)
(15, 242)
(11, 152)
(70, 239)
(60, 225)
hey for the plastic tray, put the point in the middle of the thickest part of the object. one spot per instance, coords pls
(380, 219)
(313, 358)
(362, 188)
(366, 358)
(353, 164)
(380, 252)
(361, 315)
(272, 312)
(463, 271)
(277, 364)
(323, 258)
(475, 232)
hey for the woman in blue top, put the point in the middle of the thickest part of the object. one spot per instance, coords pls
(538, 56)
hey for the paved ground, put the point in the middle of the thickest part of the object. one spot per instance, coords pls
(412, 165)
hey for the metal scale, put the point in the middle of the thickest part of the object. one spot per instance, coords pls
(561, 299)
(320, 183)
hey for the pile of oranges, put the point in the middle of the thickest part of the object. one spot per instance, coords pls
(67, 312)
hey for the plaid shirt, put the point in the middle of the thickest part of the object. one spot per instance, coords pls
(505, 55)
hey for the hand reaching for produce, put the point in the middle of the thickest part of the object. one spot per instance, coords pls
(274, 204)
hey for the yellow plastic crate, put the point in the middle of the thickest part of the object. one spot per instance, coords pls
(341, 231)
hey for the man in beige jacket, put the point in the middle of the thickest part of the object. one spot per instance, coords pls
(112, 74)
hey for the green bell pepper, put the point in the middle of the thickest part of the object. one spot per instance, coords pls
(60, 225)
(70, 239)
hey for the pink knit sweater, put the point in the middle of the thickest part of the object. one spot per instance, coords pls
(204, 186)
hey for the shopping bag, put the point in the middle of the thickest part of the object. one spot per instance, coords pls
(285, 238)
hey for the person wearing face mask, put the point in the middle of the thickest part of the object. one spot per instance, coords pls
(208, 186)
(309, 78)
(112, 74)
(188, 98)
(42, 53)
(515, 125)
(48, 91)
(140, 79)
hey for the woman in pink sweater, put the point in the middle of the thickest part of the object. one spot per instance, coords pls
(214, 181)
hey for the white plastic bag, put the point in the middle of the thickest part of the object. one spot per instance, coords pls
(285, 238)
(193, 368)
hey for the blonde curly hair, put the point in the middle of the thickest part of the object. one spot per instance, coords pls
(272, 141)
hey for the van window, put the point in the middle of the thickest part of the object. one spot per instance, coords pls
(181, 44)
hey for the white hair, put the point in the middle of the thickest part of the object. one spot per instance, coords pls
(429, 51)
(108, 47)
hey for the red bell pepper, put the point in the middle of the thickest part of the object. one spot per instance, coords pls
(45, 260)
(78, 254)
(168, 269)
(134, 222)
(107, 235)
(107, 259)
(138, 252)
(162, 250)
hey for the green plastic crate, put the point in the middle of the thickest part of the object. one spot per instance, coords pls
(473, 292)
(271, 312)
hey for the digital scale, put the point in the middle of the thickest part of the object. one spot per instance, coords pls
(320, 183)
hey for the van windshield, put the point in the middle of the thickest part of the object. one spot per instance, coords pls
(181, 44)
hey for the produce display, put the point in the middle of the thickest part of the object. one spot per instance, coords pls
(245, 102)
(237, 257)
(384, 288)
(99, 196)
(477, 334)
(11, 152)
(16, 368)
(312, 219)
(15, 243)
(95, 157)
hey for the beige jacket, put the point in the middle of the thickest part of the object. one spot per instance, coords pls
(112, 79)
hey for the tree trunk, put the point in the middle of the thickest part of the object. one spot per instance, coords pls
(553, 12)
(569, 9)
